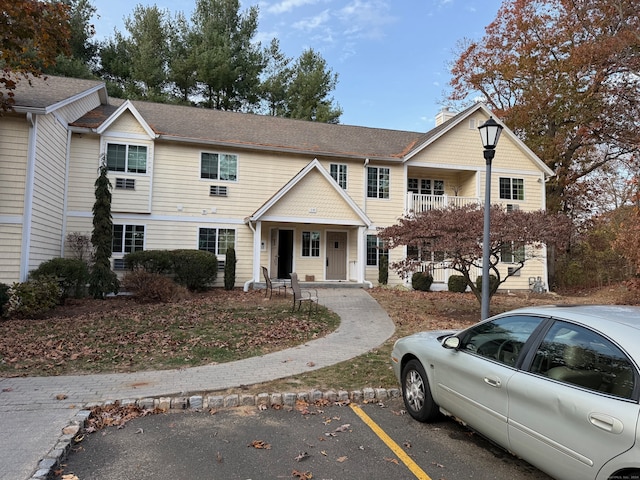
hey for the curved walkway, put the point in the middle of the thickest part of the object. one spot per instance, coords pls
(34, 410)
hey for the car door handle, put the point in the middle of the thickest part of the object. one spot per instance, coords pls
(493, 382)
(606, 422)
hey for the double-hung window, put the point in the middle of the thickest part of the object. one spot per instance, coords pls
(219, 166)
(127, 238)
(377, 182)
(216, 240)
(339, 173)
(310, 244)
(511, 188)
(512, 252)
(126, 158)
(376, 249)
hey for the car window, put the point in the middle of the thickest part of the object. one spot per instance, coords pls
(576, 355)
(501, 339)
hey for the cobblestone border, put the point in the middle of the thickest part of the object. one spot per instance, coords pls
(56, 456)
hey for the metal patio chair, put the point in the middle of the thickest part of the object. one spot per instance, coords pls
(271, 284)
(309, 295)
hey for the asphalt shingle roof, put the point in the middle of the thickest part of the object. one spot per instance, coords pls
(201, 125)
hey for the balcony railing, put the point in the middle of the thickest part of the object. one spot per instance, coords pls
(417, 202)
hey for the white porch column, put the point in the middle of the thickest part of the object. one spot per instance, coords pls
(362, 254)
(257, 236)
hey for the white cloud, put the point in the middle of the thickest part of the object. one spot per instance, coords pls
(313, 23)
(365, 18)
(285, 6)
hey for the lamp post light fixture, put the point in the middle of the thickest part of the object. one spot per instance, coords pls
(490, 134)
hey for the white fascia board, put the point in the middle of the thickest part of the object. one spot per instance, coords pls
(127, 106)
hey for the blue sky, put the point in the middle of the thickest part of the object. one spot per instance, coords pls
(391, 56)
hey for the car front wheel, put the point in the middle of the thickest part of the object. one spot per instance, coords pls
(417, 394)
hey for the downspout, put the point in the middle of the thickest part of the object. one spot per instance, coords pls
(248, 283)
(27, 216)
(65, 194)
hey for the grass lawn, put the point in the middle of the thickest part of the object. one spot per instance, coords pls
(121, 335)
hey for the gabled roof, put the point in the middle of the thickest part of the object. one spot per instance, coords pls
(46, 94)
(313, 165)
(441, 130)
(127, 106)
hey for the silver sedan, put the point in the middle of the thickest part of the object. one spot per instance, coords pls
(557, 386)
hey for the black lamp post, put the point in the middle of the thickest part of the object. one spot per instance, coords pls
(490, 133)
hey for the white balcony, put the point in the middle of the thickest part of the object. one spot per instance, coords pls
(417, 202)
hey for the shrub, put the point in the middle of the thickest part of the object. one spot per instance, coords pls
(230, 269)
(383, 270)
(493, 283)
(153, 261)
(33, 298)
(4, 297)
(421, 281)
(457, 284)
(195, 269)
(72, 275)
(153, 287)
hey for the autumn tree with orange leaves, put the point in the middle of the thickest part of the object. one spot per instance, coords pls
(455, 235)
(32, 34)
(564, 76)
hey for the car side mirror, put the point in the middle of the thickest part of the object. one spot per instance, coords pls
(451, 342)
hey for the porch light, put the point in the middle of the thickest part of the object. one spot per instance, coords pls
(490, 134)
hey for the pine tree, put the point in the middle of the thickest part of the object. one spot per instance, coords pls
(103, 280)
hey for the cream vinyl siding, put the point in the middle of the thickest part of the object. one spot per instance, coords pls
(83, 172)
(11, 241)
(386, 211)
(355, 178)
(49, 188)
(126, 123)
(14, 138)
(70, 113)
(131, 201)
(313, 197)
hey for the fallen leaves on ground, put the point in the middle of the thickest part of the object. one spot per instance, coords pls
(302, 475)
(115, 415)
(260, 445)
(119, 334)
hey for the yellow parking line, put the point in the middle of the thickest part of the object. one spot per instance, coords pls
(395, 448)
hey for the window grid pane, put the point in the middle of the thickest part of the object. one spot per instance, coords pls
(517, 186)
(209, 166)
(137, 159)
(116, 157)
(133, 238)
(226, 239)
(117, 239)
(372, 182)
(372, 250)
(384, 183)
(207, 239)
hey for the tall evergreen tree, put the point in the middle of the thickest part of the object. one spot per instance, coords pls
(308, 95)
(149, 47)
(228, 63)
(103, 280)
(278, 74)
(182, 60)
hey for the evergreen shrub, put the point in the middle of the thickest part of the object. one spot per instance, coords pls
(421, 281)
(72, 275)
(457, 284)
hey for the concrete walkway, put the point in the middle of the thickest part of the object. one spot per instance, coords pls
(34, 410)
